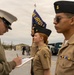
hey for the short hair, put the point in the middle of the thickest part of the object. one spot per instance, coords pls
(45, 37)
(69, 15)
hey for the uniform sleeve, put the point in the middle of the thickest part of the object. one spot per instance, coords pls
(33, 50)
(45, 58)
(6, 67)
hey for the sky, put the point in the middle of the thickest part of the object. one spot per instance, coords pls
(21, 29)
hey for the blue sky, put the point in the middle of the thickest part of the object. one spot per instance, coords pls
(23, 10)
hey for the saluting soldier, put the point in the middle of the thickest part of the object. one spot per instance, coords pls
(64, 23)
(42, 59)
(6, 19)
(36, 20)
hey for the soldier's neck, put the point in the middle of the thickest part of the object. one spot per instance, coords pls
(40, 44)
(68, 35)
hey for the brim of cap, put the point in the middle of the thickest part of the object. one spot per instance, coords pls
(9, 27)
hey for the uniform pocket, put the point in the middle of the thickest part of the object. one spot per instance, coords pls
(64, 62)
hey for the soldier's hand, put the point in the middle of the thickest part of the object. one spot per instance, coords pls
(17, 60)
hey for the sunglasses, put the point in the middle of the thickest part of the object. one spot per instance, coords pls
(57, 19)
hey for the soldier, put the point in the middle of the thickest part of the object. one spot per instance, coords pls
(42, 59)
(23, 50)
(64, 23)
(6, 19)
(36, 20)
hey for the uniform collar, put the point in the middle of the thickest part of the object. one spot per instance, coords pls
(71, 40)
(40, 47)
(66, 41)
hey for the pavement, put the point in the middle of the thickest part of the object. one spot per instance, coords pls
(25, 69)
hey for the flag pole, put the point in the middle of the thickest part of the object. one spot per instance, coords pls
(35, 6)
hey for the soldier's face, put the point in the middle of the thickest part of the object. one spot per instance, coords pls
(37, 38)
(62, 23)
(3, 28)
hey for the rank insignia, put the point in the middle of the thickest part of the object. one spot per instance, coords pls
(57, 7)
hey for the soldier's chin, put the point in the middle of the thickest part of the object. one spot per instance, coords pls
(58, 31)
(34, 41)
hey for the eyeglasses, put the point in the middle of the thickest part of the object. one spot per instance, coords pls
(57, 19)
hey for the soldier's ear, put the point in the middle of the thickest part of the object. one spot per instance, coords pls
(42, 38)
(72, 20)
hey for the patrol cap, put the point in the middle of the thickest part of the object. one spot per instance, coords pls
(39, 29)
(7, 18)
(64, 7)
